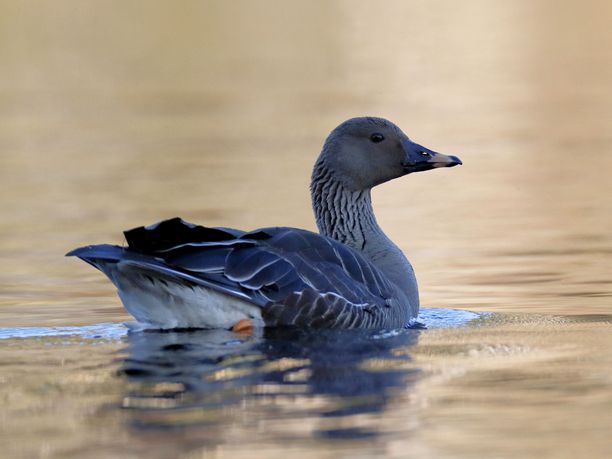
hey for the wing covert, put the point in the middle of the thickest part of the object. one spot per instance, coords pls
(308, 276)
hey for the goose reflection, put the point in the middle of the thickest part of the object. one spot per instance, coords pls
(301, 383)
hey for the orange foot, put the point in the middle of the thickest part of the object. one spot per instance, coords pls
(243, 327)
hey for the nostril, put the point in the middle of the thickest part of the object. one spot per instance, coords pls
(424, 153)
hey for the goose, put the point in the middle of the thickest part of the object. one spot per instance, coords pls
(177, 275)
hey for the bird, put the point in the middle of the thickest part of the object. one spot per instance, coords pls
(177, 275)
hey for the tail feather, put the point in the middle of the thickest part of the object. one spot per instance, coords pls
(159, 296)
(100, 251)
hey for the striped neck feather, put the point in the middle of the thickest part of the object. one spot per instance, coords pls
(344, 215)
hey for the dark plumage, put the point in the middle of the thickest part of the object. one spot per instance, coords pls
(178, 275)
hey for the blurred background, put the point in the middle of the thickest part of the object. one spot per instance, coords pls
(116, 114)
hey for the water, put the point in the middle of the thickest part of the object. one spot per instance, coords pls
(428, 318)
(120, 116)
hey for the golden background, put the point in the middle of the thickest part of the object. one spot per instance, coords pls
(115, 114)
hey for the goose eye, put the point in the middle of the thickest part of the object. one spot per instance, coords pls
(424, 153)
(376, 137)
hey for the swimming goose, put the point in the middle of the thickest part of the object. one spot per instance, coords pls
(174, 274)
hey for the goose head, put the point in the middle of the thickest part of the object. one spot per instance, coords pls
(364, 152)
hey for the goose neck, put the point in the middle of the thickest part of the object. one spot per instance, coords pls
(342, 214)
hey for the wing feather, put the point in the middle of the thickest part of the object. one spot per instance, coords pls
(296, 276)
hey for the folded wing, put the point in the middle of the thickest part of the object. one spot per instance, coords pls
(296, 276)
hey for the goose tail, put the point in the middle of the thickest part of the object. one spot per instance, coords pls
(160, 297)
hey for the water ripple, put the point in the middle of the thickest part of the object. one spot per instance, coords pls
(432, 317)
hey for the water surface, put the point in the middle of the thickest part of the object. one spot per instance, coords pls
(116, 115)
